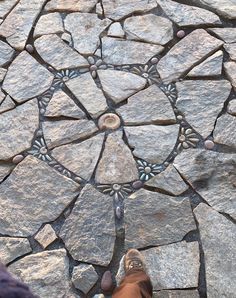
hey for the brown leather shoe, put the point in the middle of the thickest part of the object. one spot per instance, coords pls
(134, 261)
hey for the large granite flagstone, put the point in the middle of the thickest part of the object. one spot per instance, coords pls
(80, 158)
(176, 294)
(186, 15)
(226, 34)
(225, 8)
(72, 5)
(201, 101)
(89, 231)
(12, 248)
(231, 49)
(57, 133)
(6, 53)
(230, 70)
(143, 139)
(153, 219)
(149, 28)
(17, 25)
(187, 53)
(212, 66)
(46, 273)
(225, 130)
(62, 105)
(85, 29)
(17, 129)
(5, 169)
(6, 6)
(119, 51)
(212, 175)
(120, 8)
(117, 164)
(26, 78)
(57, 53)
(86, 91)
(218, 236)
(168, 181)
(84, 277)
(119, 85)
(49, 24)
(148, 106)
(36, 198)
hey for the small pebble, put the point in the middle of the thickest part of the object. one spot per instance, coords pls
(39, 133)
(29, 48)
(50, 68)
(78, 179)
(106, 282)
(17, 159)
(154, 60)
(166, 163)
(118, 212)
(109, 121)
(42, 111)
(209, 144)
(180, 34)
(180, 117)
(137, 184)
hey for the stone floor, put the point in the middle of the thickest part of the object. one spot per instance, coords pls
(118, 130)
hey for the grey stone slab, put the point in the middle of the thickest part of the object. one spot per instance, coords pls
(36, 198)
(85, 29)
(149, 28)
(6, 6)
(84, 277)
(119, 85)
(176, 294)
(46, 273)
(6, 53)
(12, 248)
(117, 164)
(148, 106)
(187, 53)
(225, 8)
(57, 53)
(62, 105)
(89, 231)
(212, 66)
(154, 219)
(212, 175)
(7, 104)
(230, 69)
(57, 133)
(17, 130)
(169, 181)
(143, 139)
(119, 52)
(49, 24)
(120, 8)
(46, 236)
(186, 15)
(218, 236)
(232, 107)
(5, 169)
(70, 6)
(225, 130)
(80, 158)
(86, 91)
(18, 23)
(226, 34)
(19, 85)
(201, 101)
(231, 49)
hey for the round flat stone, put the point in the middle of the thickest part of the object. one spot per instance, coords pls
(106, 282)
(109, 121)
(209, 144)
(29, 48)
(17, 159)
(137, 184)
(180, 34)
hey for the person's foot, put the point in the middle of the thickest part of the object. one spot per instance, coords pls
(134, 261)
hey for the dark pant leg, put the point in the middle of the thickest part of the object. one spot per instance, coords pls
(134, 285)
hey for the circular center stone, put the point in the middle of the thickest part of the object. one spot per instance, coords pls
(116, 187)
(145, 75)
(182, 138)
(147, 170)
(93, 67)
(43, 150)
(65, 79)
(109, 121)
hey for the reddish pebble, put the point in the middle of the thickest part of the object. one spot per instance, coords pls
(209, 144)
(180, 34)
(106, 282)
(137, 184)
(17, 159)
